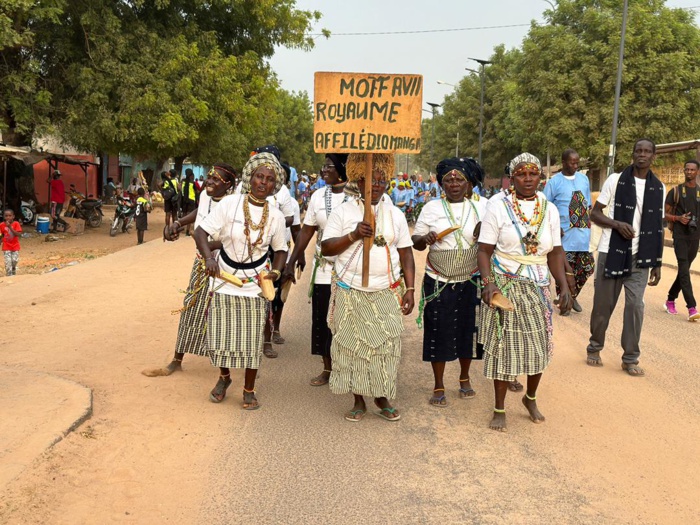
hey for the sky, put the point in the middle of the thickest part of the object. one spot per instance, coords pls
(437, 56)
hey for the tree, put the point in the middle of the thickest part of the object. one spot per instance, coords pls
(566, 78)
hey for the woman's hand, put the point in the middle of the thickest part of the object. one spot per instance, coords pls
(288, 273)
(566, 301)
(487, 293)
(301, 262)
(211, 267)
(363, 229)
(430, 238)
(172, 231)
(407, 302)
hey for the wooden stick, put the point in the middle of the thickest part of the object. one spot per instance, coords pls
(368, 241)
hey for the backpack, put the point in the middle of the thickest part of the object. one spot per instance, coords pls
(676, 198)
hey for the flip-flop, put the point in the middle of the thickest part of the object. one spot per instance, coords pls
(250, 406)
(270, 352)
(277, 339)
(220, 389)
(438, 401)
(466, 393)
(633, 370)
(350, 416)
(391, 411)
(594, 360)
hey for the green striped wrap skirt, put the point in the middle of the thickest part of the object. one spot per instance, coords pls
(192, 329)
(235, 331)
(366, 347)
(519, 342)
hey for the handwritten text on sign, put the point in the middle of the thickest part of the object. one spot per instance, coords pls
(356, 112)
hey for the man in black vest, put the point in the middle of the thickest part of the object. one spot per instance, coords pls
(682, 212)
(630, 249)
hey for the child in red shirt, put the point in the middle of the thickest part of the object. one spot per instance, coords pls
(10, 230)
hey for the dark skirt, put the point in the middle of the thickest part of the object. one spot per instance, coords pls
(321, 337)
(449, 319)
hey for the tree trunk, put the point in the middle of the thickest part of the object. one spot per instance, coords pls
(179, 161)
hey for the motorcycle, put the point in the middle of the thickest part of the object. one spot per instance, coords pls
(123, 216)
(28, 209)
(80, 207)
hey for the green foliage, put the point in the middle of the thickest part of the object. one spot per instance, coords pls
(558, 90)
(158, 79)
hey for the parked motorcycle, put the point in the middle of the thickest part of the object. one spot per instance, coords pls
(28, 209)
(80, 207)
(123, 216)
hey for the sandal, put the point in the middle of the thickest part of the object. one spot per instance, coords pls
(515, 386)
(253, 405)
(268, 351)
(320, 379)
(436, 401)
(595, 360)
(466, 393)
(277, 339)
(633, 369)
(355, 415)
(218, 394)
(391, 411)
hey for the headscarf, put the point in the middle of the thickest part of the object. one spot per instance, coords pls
(355, 166)
(256, 161)
(270, 148)
(467, 166)
(339, 160)
(524, 157)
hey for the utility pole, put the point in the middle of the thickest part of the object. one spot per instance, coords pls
(618, 88)
(432, 140)
(481, 105)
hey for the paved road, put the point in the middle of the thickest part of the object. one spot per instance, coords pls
(613, 448)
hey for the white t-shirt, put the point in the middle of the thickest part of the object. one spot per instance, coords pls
(607, 199)
(316, 216)
(433, 217)
(497, 228)
(390, 223)
(226, 220)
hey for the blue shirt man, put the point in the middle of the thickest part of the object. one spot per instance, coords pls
(570, 192)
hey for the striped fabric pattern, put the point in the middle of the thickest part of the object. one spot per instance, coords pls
(192, 329)
(525, 345)
(455, 265)
(366, 347)
(235, 332)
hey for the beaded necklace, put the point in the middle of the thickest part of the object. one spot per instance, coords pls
(534, 226)
(465, 217)
(249, 225)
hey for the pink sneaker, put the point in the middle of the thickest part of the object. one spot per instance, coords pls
(670, 307)
(693, 314)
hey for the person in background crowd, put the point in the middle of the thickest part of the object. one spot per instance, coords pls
(143, 208)
(170, 196)
(133, 188)
(434, 190)
(189, 196)
(682, 213)
(570, 192)
(10, 230)
(58, 198)
(629, 253)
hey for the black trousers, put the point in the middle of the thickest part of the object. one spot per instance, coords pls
(686, 251)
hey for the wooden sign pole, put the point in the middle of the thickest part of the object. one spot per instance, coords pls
(369, 218)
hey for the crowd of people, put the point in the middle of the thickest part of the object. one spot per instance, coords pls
(486, 291)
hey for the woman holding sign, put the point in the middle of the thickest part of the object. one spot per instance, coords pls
(320, 206)
(450, 228)
(366, 321)
(519, 245)
(247, 225)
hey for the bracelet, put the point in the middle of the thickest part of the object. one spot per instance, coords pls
(352, 239)
(211, 258)
(569, 273)
(277, 273)
(409, 289)
(487, 280)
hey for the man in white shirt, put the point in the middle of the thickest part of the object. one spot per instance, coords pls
(631, 245)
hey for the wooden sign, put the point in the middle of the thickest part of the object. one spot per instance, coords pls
(367, 113)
